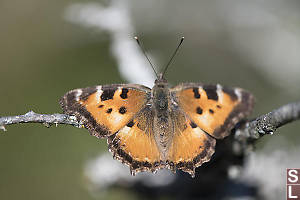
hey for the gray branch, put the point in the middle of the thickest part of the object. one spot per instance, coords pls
(265, 124)
(47, 120)
(268, 123)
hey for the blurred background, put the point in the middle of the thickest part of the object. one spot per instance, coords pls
(50, 47)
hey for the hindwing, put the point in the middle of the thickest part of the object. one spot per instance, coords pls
(135, 145)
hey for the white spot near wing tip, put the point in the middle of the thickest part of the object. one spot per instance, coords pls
(99, 93)
(238, 93)
(78, 93)
(120, 88)
(220, 93)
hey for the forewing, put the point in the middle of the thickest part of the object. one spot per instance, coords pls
(105, 109)
(191, 146)
(215, 109)
(135, 146)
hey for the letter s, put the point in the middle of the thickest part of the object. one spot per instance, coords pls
(293, 176)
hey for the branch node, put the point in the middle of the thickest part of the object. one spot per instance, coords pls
(30, 113)
(47, 125)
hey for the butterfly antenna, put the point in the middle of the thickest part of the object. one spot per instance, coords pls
(138, 41)
(175, 52)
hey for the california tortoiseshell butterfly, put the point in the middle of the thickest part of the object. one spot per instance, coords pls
(163, 127)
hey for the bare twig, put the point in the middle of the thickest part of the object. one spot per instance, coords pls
(46, 119)
(268, 123)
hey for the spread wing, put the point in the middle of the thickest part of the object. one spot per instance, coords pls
(190, 147)
(213, 108)
(104, 110)
(135, 146)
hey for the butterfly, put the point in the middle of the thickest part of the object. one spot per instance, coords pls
(160, 127)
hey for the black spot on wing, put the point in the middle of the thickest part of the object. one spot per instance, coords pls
(199, 110)
(122, 110)
(211, 92)
(100, 106)
(130, 124)
(109, 110)
(193, 125)
(108, 93)
(211, 111)
(196, 93)
(231, 93)
(124, 95)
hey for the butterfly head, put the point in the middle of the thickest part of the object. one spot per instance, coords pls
(160, 93)
(161, 81)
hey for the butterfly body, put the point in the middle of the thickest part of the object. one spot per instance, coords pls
(163, 127)
(162, 107)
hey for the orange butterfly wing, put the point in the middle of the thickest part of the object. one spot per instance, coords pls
(135, 145)
(191, 146)
(106, 109)
(215, 109)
